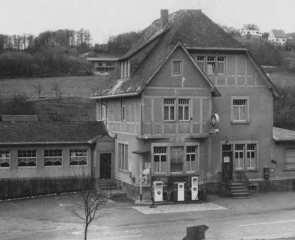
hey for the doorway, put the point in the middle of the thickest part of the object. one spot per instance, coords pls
(227, 162)
(105, 165)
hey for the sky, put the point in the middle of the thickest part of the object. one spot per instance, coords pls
(104, 18)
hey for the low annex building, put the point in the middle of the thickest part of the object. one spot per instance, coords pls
(32, 149)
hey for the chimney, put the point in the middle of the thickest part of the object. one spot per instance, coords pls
(164, 17)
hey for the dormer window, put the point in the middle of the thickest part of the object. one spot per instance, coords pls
(177, 68)
(125, 69)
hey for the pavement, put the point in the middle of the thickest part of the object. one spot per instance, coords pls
(263, 216)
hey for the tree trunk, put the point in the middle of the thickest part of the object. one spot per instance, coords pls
(85, 231)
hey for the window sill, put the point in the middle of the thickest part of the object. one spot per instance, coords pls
(246, 170)
(7, 168)
(27, 167)
(169, 121)
(239, 123)
(55, 166)
(78, 165)
(288, 169)
(122, 170)
(177, 76)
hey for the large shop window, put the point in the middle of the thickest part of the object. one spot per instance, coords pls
(180, 159)
(123, 156)
(290, 158)
(240, 110)
(27, 158)
(245, 156)
(160, 159)
(52, 157)
(4, 159)
(78, 157)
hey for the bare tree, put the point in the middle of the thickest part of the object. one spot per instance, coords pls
(39, 89)
(88, 202)
(56, 87)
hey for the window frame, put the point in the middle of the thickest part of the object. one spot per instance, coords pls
(184, 106)
(285, 160)
(176, 74)
(240, 121)
(160, 154)
(169, 106)
(4, 159)
(122, 156)
(57, 156)
(123, 111)
(201, 63)
(190, 154)
(78, 150)
(27, 158)
(103, 112)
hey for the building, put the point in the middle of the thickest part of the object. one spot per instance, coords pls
(102, 64)
(277, 37)
(183, 103)
(32, 150)
(251, 30)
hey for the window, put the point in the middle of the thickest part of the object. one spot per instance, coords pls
(290, 158)
(240, 110)
(169, 109)
(211, 65)
(251, 156)
(4, 159)
(122, 69)
(99, 64)
(52, 157)
(123, 156)
(27, 158)
(239, 156)
(220, 65)
(128, 68)
(245, 156)
(103, 112)
(123, 111)
(201, 62)
(177, 68)
(125, 69)
(109, 64)
(183, 109)
(191, 152)
(176, 159)
(78, 157)
(160, 160)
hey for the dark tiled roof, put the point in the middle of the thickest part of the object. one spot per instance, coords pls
(279, 33)
(282, 135)
(190, 28)
(19, 118)
(50, 132)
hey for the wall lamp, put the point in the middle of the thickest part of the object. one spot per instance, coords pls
(226, 141)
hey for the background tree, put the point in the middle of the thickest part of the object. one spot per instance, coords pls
(39, 89)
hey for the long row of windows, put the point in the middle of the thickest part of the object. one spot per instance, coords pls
(28, 158)
(181, 159)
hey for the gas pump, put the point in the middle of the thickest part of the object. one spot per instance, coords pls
(194, 188)
(158, 191)
(179, 191)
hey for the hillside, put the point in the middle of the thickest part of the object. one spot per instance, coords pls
(292, 35)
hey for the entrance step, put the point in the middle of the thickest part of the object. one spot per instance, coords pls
(106, 184)
(239, 190)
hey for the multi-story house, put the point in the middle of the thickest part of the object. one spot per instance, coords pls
(187, 100)
(104, 64)
(277, 37)
(251, 30)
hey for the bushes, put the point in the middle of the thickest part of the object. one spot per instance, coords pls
(48, 62)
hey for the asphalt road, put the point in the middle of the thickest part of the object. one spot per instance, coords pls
(264, 216)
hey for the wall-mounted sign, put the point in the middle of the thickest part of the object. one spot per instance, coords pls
(226, 159)
(215, 120)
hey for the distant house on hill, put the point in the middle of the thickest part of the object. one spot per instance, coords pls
(277, 37)
(251, 30)
(103, 64)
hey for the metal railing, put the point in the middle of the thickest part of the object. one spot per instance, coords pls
(241, 176)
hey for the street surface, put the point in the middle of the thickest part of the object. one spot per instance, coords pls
(264, 216)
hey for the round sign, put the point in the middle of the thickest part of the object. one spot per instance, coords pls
(214, 120)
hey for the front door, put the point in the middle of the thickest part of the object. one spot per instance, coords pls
(227, 162)
(105, 165)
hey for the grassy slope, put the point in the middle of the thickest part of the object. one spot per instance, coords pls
(74, 104)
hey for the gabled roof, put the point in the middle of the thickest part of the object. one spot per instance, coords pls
(283, 135)
(51, 132)
(251, 27)
(189, 28)
(279, 33)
